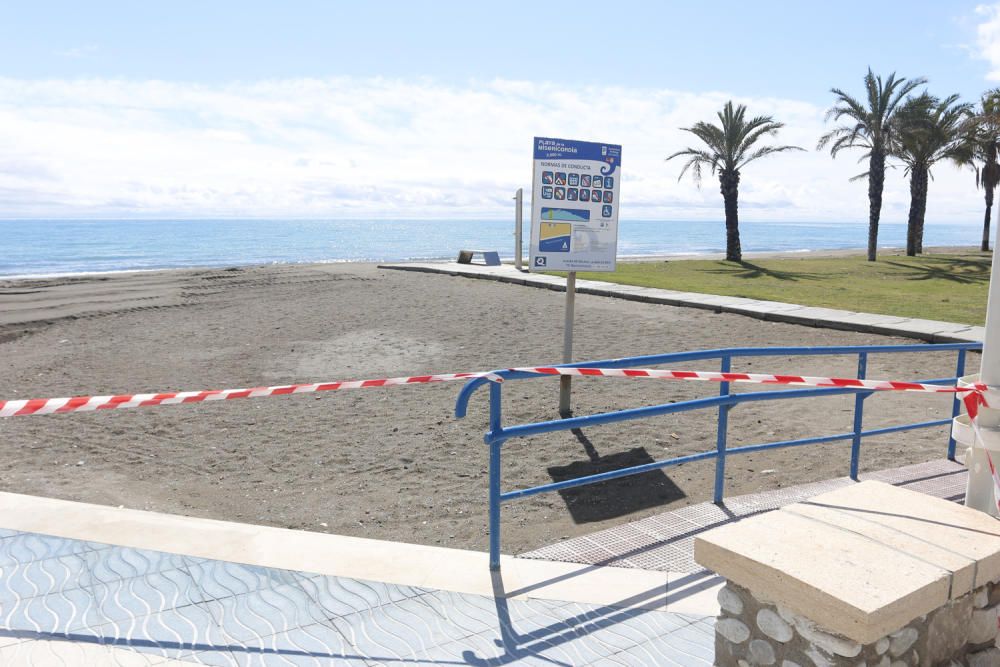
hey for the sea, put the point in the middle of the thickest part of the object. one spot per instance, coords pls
(36, 248)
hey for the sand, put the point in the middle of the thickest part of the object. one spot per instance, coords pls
(395, 463)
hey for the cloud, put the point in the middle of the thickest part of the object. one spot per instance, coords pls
(349, 147)
(77, 52)
(988, 38)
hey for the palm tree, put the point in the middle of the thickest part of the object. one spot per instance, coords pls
(871, 129)
(983, 140)
(729, 150)
(928, 130)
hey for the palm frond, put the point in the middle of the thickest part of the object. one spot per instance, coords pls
(767, 150)
(728, 144)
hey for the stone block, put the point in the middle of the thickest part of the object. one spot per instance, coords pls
(983, 626)
(730, 601)
(761, 653)
(733, 630)
(964, 531)
(962, 568)
(772, 625)
(946, 631)
(988, 658)
(843, 581)
(901, 641)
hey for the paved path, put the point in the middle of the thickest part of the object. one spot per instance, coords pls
(890, 325)
(85, 584)
(67, 600)
(91, 603)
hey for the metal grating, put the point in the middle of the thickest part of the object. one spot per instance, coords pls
(665, 542)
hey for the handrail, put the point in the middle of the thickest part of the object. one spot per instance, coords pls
(498, 434)
(470, 387)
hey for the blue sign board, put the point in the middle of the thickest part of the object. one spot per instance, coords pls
(574, 208)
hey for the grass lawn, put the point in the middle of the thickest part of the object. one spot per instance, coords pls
(948, 287)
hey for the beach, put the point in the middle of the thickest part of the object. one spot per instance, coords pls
(394, 463)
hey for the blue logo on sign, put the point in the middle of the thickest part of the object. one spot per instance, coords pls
(606, 210)
(546, 192)
(539, 261)
(609, 182)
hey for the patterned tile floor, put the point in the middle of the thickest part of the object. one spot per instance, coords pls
(665, 542)
(129, 606)
(71, 602)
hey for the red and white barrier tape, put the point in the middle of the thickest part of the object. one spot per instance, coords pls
(756, 378)
(974, 396)
(47, 406)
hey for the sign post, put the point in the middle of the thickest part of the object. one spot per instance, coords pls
(575, 189)
(518, 223)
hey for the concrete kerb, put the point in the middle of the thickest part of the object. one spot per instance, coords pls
(775, 311)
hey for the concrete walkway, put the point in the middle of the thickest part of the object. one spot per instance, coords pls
(889, 325)
(95, 585)
(86, 584)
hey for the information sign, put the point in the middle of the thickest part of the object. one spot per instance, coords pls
(574, 205)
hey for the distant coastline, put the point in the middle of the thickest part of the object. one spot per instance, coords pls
(783, 254)
(76, 247)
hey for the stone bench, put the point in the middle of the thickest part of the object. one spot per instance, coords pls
(490, 257)
(869, 574)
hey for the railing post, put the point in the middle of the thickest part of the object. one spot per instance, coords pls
(720, 437)
(494, 474)
(956, 406)
(859, 415)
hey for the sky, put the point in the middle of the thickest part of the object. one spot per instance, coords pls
(427, 110)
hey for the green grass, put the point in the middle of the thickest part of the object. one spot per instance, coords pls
(948, 287)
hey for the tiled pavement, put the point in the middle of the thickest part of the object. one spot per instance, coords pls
(890, 325)
(72, 602)
(665, 542)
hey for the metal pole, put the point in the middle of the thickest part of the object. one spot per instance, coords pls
(956, 405)
(565, 383)
(859, 416)
(494, 475)
(721, 435)
(518, 214)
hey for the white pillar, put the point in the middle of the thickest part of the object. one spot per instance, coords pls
(979, 493)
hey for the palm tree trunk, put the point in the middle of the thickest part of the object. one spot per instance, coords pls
(921, 209)
(876, 180)
(918, 208)
(729, 184)
(986, 218)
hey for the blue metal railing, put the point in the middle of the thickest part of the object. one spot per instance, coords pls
(498, 434)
